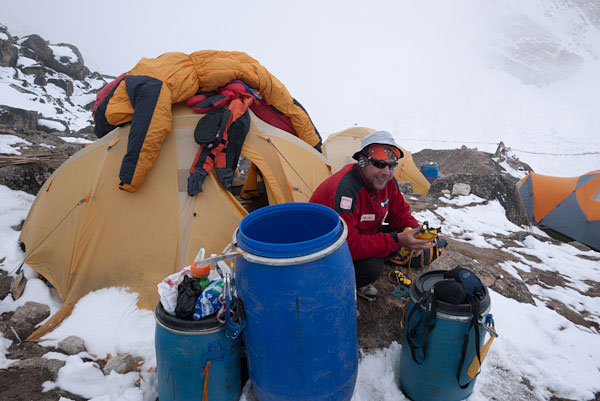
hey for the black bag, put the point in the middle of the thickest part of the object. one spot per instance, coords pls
(450, 291)
(467, 278)
(188, 292)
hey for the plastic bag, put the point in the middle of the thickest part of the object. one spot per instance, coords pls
(167, 289)
(208, 302)
(187, 293)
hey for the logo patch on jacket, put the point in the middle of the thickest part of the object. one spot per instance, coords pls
(346, 203)
(367, 217)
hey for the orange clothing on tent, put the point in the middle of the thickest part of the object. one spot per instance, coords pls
(567, 205)
(145, 95)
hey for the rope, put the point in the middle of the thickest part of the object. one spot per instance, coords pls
(436, 140)
(290, 164)
(509, 148)
(556, 154)
(205, 374)
(84, 200)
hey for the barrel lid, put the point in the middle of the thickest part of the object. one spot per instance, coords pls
(425, 282)
(429, 164)
(173, 322)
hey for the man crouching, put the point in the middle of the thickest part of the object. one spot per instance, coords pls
(365, 194)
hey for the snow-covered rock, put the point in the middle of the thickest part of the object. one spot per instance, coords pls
(48, 79)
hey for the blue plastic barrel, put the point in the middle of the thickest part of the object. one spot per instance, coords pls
(435, 378)
(296, 279)
(183, 349)
(430, 171)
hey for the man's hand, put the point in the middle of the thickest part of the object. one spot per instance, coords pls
(408, 240)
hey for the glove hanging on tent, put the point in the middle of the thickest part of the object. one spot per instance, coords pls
(206, 101)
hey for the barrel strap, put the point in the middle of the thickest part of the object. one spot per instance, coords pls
(474, 306)
(428, 300)
(205, 374)
(412, 333)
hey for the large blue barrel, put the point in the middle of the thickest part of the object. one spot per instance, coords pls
(435, 378)
(183, 350)
(430, 171)
(296, 279)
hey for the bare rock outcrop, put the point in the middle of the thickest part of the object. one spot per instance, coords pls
(35, 47)
(24, 320)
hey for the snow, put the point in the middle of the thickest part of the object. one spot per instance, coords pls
(478, 88)
(116, 327)
(463, 200)
(55, 125)
(4, 344)
(7, 142)
(49, 101)
(556, 356)
(61, 51)
(470, 223)
(72, 139)
(23, 61)
(87, 380)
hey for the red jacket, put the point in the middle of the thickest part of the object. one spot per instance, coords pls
(364, 210)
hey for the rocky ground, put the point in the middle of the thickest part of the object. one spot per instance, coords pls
(379, 323)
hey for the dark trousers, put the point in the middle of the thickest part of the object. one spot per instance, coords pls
(367, 271)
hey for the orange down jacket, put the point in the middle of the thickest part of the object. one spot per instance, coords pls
(144, 98)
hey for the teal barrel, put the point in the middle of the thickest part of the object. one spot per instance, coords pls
(183, 349)
(430, 171)
(296, 278)
(435, 379)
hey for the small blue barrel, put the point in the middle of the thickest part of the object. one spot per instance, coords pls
(183, 349)
(296, 279)
(430, 171)
(435, 378)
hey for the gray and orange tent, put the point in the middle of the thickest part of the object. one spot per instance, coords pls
(566, 205)
(83, 233)
(340, 147)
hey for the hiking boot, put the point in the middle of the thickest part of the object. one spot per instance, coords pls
(368, 292)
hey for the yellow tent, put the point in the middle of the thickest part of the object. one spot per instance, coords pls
(340, 147)
(83, 233)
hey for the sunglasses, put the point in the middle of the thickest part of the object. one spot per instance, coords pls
(382, 163)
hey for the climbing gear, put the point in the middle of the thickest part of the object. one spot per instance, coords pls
(368, 292)
(233, 309)
(402, 283)
(407, 257)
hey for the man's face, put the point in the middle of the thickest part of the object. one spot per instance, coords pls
(378, 177)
